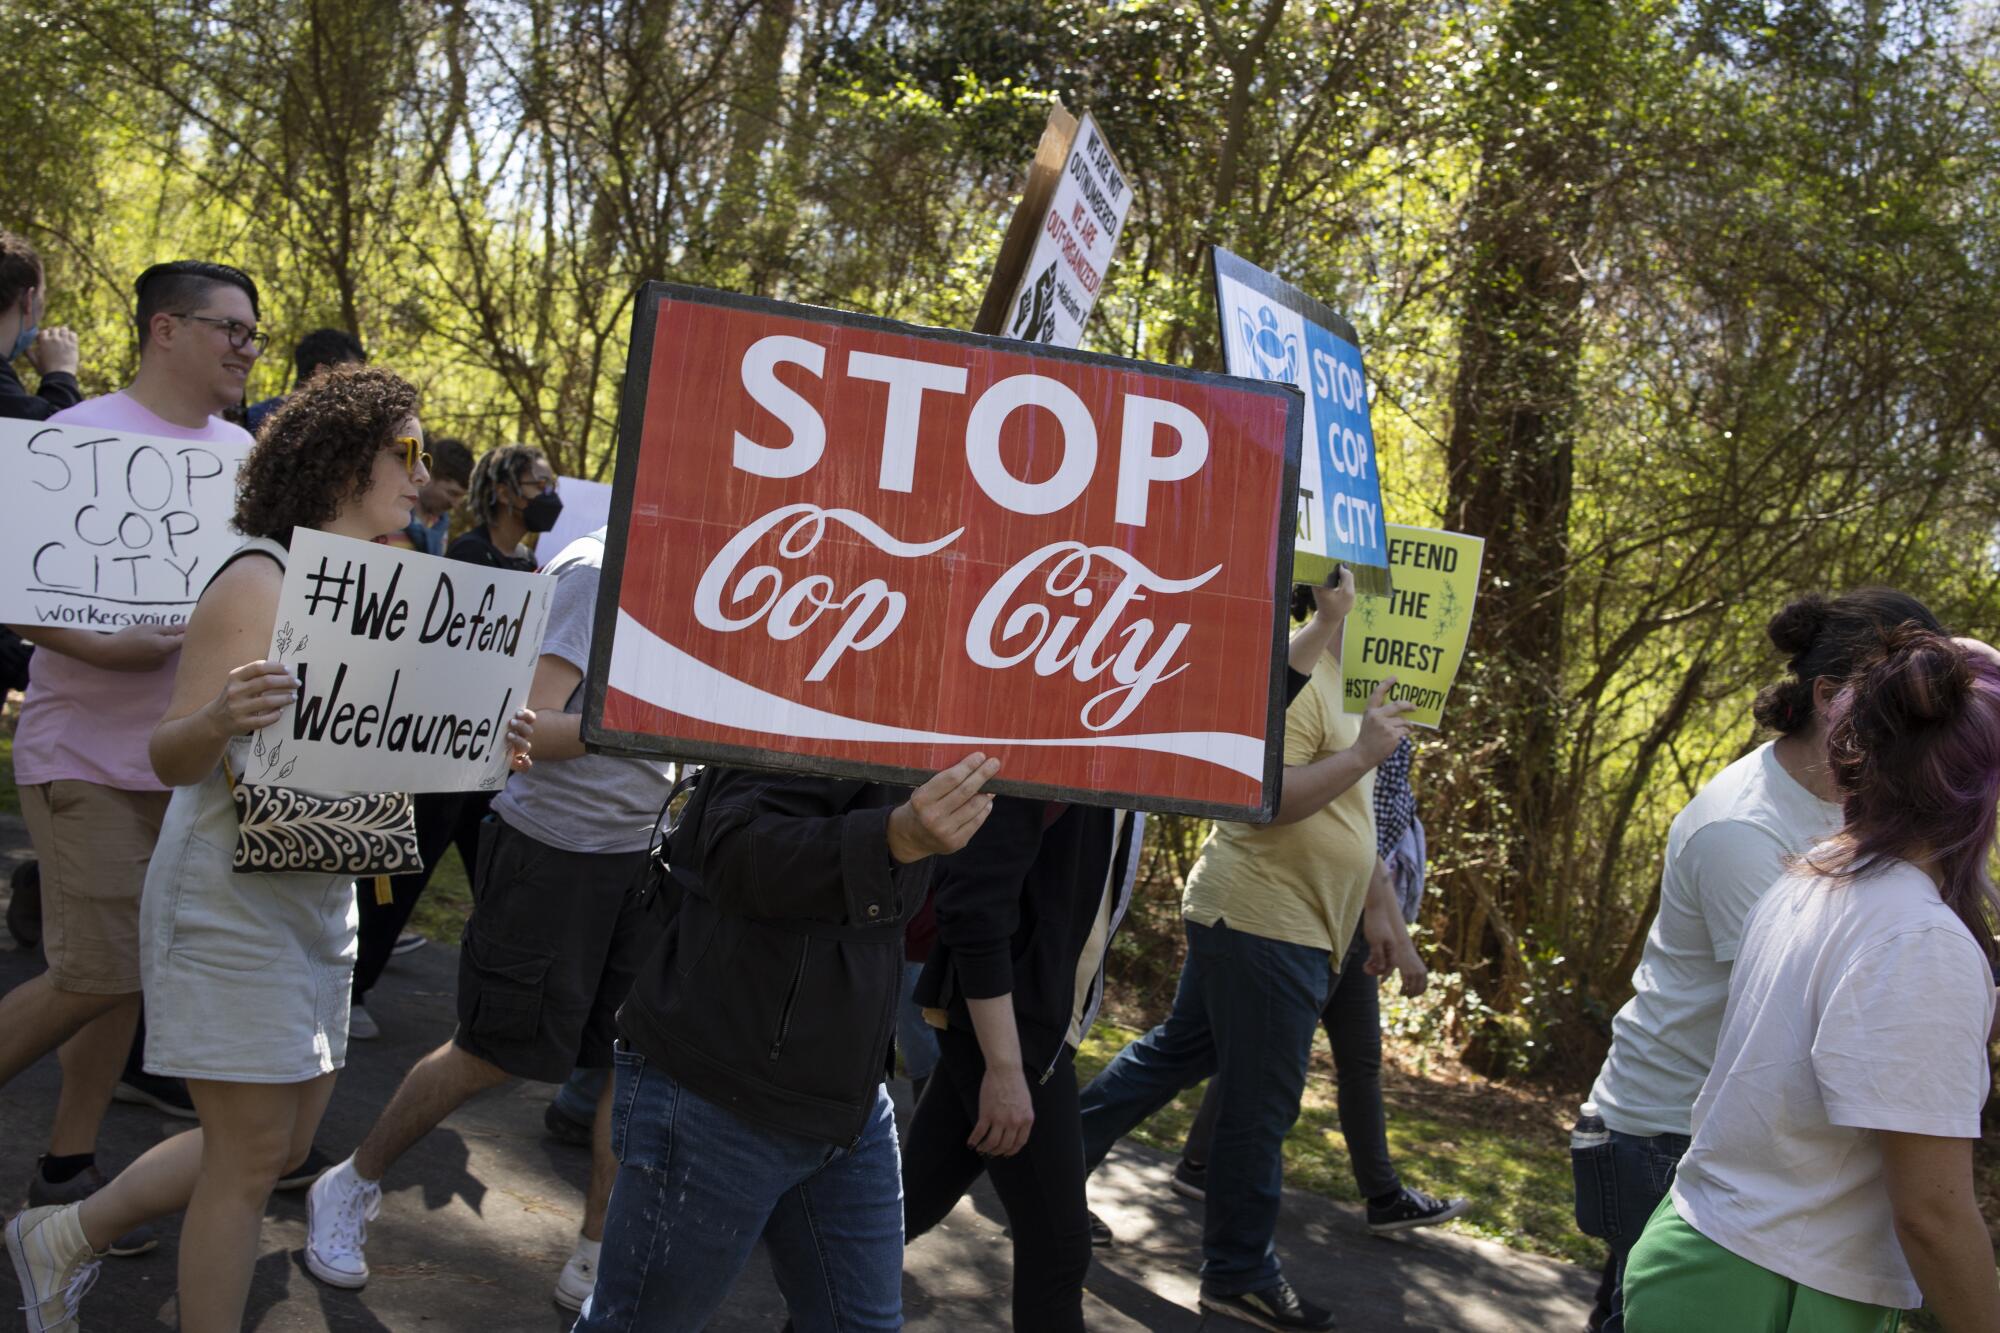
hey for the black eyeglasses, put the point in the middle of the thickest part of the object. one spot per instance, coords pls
(240, 335)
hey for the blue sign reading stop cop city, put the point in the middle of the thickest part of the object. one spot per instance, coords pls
(1273, 331)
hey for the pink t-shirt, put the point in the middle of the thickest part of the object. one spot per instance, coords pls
(80, 722)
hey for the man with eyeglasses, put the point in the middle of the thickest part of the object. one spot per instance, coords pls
(88, 793)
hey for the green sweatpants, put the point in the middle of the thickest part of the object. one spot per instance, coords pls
(1678, 1279)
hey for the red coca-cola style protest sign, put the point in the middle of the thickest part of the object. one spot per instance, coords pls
(845, 545)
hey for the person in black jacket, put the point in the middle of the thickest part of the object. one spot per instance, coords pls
(52, 352)
(749, 1101)
(1025, 915)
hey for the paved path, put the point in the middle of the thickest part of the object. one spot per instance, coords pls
(479, 1217)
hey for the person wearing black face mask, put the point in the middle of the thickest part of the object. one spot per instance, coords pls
(513, 492)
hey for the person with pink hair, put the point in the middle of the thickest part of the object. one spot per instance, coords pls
(1829, 1183)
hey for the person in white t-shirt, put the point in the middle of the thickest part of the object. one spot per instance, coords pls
(1830, 1180)
(1724, 851)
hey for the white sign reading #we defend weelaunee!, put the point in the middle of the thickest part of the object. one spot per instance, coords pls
(101, 529)
(409, 667)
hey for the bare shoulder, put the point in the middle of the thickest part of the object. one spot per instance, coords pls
(243, 596)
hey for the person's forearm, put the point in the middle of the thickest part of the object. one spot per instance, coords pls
(558, 736)
(1952, 1260)
(999, 1039)
(185, 749)
(84, 645)
(1309, 642)
(1381, 903)
(1308, 787)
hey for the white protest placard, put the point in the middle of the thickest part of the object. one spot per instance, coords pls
(1074, 242)
(409, 666)
(100, 529)
(586, 508)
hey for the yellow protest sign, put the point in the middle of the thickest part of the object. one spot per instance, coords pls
(1417, 633)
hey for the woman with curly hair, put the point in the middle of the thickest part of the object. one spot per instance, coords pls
(1725, 849)
(1830, 1182)
(246, 975)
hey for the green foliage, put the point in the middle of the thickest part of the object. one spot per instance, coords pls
(1685, 307)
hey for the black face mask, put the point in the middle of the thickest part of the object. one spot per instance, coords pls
(540, 513)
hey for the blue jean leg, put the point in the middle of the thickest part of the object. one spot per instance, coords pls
(836, 1241)
(697, 1186)
(1264, 1000)
(1156, 1068)
(577, 1098)
(1642, 1169)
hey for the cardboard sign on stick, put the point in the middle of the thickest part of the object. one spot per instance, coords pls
(849, 546)
(1417, 633)
(1273, 331)
(1063, 236)
(102, 529)
(409, 667)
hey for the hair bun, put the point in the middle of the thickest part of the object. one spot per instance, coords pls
(1795, 629)
(1920, 678)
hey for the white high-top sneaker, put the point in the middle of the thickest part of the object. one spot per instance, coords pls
(339, 1207)
(55, 1264)
(579, 1275)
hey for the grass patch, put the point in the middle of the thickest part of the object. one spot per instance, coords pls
(447, 901)
(1505, 1148)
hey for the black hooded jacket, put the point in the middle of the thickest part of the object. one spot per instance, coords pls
(774, 991)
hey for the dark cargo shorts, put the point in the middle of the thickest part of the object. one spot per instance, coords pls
(549, 953)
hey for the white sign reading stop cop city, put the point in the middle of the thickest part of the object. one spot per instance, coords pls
(101, 529)
(1073, 245)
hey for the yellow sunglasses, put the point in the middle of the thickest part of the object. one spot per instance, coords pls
(413, 453)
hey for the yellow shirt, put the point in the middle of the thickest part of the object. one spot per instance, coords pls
(1303, 883)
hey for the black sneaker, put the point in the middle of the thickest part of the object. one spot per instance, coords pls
(1190, 1180)
(305, 1173)
(1100, 1233)
(565, 1128)
(1414, 1208)
(24, 905)
(169, 1095)
(41, 1193)
(1276, 1307)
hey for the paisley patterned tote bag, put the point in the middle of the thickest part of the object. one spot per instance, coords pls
(279, 829)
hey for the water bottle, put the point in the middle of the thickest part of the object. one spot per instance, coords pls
(1596, 1179)
(1589, 1131)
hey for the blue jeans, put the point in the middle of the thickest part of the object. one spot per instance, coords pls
(1245, 1011)
(697, 1188)
(1630, 1181)
(915, 1038)
(577, 1098)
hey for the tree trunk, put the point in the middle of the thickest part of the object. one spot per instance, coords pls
(1510, 462)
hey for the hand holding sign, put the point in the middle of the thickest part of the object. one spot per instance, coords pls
(257, 694)
(1383, 727)
(1335, 599)
(137, 647)
(943, 814)
(521, 740)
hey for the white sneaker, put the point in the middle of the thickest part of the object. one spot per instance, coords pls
(361, 1025)
(339, 1207)
(579, 1275)
(55, 1264)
